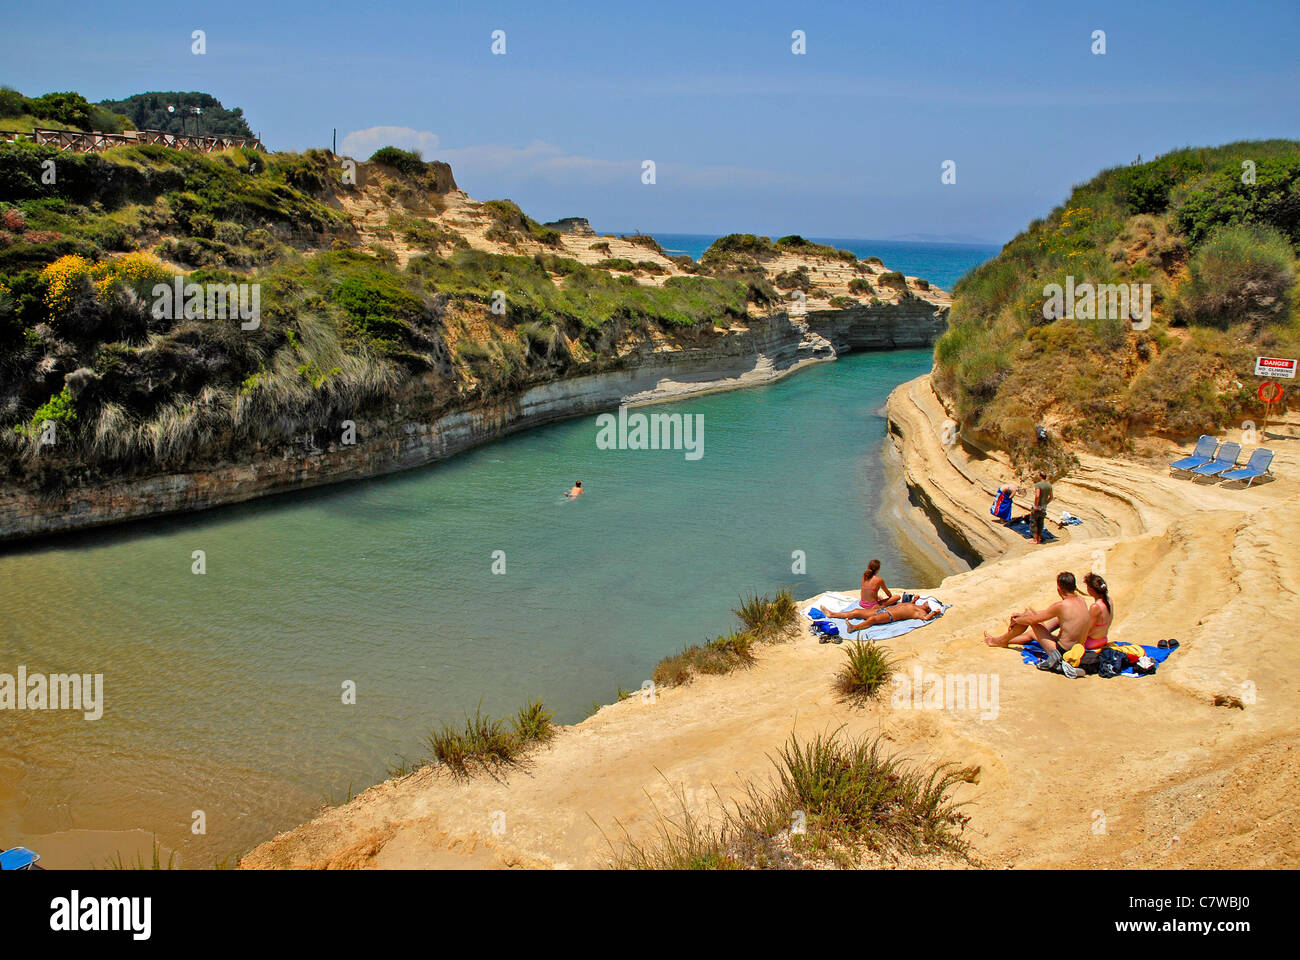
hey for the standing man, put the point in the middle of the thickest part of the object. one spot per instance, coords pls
(1042, 497)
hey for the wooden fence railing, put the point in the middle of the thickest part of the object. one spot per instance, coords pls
(78, 141)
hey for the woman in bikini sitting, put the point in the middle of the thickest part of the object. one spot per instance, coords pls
(1102, 612)
(873, 584)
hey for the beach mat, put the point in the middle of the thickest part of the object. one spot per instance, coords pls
(1022, 526)
(1032, 653)
(839, 602)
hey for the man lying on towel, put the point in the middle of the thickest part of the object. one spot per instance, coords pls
(919, 609)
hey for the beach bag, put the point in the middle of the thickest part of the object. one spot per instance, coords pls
(1089, 662)
(1130, 650)
(1111, 662)
(1001, 507)
(1145, 667)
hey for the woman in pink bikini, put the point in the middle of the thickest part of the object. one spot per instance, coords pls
(872, 586)
(1101, 613)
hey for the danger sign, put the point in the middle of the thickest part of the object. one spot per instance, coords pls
(1275, 367)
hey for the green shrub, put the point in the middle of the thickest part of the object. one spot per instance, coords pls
(1241, 274)
(60, 409)
(534, 723)
(377, 307)
(849, 795)
(768, 619)
(483, 743)
(797, 279)
(13, 103)
(866, 669)
(746, 244)
(1273, 200)
(722, 654)
(68, 108)
(408, 162)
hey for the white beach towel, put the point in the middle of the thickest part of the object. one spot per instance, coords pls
(840, 602)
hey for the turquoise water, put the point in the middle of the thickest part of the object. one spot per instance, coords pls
(223, 691)
(942, 264)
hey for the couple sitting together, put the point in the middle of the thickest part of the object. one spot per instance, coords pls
(1068, 623)
(874, 609)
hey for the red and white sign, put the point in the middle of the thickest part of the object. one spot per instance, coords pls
(1275, 367)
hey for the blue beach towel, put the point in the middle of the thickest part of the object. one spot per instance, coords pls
(1002, 506)
(1023, 527)
(840, 602)
(1032, 653)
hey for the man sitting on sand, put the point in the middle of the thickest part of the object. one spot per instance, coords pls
(912, 610)
(1057, 629)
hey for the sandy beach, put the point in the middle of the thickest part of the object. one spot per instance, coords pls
(1193, 767)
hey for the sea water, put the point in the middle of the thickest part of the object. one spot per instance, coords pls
(330, 630)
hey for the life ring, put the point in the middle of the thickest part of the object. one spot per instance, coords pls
(1270, 392)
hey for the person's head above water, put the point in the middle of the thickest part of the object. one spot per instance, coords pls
(577, 483)
(871, 570)
(1066, 584)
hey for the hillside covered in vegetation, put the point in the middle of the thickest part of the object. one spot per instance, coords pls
(379, 284)
(1214, 232)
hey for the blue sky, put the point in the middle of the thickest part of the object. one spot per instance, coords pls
(846, 140)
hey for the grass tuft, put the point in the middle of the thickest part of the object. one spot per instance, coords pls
(865, 670)
(831, 799)
(484, 743)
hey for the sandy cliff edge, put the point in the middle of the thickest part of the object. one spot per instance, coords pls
(1089, 773)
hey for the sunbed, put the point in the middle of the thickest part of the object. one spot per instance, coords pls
(1225, 459)
(1255, 467)
(19, 858)
(1203, 454)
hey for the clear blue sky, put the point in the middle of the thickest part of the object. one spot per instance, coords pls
(845, 141)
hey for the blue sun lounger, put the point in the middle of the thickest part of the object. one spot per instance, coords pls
(19, 858)
(1225, 459)
(1203, 454)
(1255, 467)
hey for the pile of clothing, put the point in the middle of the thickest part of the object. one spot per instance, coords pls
(1112, 660)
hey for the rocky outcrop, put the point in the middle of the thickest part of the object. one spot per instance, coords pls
(766, 348)
(576, 226)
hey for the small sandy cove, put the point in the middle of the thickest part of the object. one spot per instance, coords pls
(1197, 766)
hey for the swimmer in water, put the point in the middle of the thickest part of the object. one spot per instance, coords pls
(575, 491)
